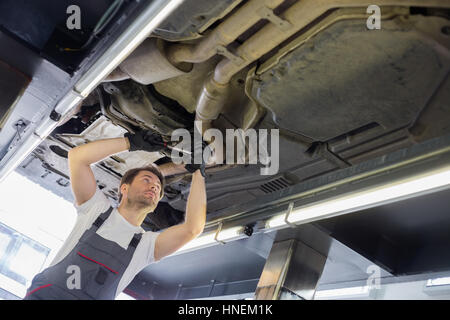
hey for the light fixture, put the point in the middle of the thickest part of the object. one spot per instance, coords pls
(430, 181)
(218, 236)
(139, 29)
(200, 241)
(229, 234)
(127, 42)
(438, 282)
(352, 292)
(437, 287)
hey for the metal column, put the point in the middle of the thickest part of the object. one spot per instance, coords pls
(291, 272)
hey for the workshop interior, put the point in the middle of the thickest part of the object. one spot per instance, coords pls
(359, 108)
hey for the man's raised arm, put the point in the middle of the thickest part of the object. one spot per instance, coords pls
(81, 157)
(173, 238)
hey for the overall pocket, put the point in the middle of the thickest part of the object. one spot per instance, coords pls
(96, 277)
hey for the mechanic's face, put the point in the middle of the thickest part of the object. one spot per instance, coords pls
(144, 190)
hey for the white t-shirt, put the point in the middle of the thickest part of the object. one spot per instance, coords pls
(116, 228)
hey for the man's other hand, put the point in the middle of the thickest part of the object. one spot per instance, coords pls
(145, 140)
(198, 148)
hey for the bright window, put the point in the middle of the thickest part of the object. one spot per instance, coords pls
(34, 223)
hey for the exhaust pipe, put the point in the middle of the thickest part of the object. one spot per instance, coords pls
(223, 35)
(298, 16)
(149, 64)
(152, 62)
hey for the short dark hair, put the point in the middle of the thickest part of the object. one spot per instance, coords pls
(129, 176)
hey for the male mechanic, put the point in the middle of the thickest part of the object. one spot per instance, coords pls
(107, 246)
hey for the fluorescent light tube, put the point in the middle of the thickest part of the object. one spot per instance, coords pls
(276, 221)
(229, 234)
(139, 29)
(211, 238)
(200, 241)
(350, 292)
(394, 191)
(127, 42)
(438, 282)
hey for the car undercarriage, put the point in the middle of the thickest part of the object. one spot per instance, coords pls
(341, 95)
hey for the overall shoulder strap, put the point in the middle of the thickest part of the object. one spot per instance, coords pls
(135, 241)
(101, 218)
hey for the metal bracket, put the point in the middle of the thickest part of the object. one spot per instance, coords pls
(217, 233)
(213, 282)
(29, 161)
(268, 14)
(288, 212)
(55, 116)
(20, 127)
(180, 287)
(78, 94)
(229, 55)
(325, 152)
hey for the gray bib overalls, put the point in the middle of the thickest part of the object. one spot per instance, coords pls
(101, 262)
